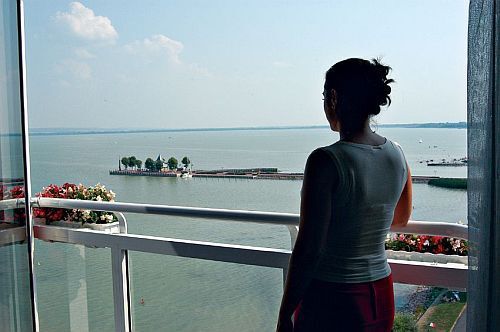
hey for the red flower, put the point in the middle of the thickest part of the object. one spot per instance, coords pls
(436, 239)
(17, 192)
(50, 214)
(420, 245)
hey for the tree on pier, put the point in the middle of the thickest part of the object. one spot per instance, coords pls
(172, 163)
(158, 165)
(138, 163)
(125, 162)
(149, 164)
(131, 161)
(186, 162)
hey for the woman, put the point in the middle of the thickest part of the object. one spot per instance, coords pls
(353, 190)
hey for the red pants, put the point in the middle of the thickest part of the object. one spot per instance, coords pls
(328, 306)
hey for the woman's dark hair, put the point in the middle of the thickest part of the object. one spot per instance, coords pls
(362, 87)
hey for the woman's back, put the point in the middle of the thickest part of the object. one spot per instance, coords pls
(371, 179)
(338, 278)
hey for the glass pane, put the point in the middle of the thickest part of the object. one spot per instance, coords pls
(183, 294)
(75, 289)
(15, 297)
(15, 304)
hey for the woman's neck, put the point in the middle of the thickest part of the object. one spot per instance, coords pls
(364, 136)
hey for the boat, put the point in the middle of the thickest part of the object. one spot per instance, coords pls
(186, 174)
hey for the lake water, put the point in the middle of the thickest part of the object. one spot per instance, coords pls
(74, 282)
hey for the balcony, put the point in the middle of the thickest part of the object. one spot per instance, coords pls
(121, 247)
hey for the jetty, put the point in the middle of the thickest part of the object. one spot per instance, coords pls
(443, 162)
(240, 173)
(141, 172)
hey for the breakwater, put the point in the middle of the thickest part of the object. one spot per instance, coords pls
(241, 173)
(142, 173)
(449, 183)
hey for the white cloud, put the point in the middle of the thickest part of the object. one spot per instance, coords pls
(77, 69)
(158, 44)
(83, 54)
(85, 24)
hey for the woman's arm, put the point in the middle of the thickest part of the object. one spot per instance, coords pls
(320, 179)
(404, 206)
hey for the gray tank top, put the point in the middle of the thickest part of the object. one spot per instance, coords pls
(371, 179)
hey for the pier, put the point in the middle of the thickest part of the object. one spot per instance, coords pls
(142, 173)
(241, 173)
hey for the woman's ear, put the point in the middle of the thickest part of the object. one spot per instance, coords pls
(332, 117)
(333, 98)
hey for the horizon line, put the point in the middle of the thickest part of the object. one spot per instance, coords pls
(44, 131)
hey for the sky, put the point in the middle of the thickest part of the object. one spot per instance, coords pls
(211, 64)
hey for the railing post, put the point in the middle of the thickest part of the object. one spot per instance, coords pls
(119, 260)
(293, 230)
(121, 285)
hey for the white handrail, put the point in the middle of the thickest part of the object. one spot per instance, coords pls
(181, 211)
(12, 235)
(287, 219)
(12, 203)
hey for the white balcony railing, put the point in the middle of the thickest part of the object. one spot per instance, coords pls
(450, 275)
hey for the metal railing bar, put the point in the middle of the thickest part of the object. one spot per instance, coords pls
(438, 228)
(12, 235)
(408, 272)
(276, 218)
(269, 257)
(12, 203)
(180, 211)
(430, 274)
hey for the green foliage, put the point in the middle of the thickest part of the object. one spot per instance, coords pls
(138, 163)
(149, 164)
(404, 322)
(158, 165)
(185, 161)
(419, 310)
(125, 162)
(131, 161)
(452, 183)
(172, 163)
(443, 316)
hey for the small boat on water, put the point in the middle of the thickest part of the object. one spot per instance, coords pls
(186, 174)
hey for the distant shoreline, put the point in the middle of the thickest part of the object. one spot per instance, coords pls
(87, 131)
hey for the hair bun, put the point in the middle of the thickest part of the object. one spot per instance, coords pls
(380, 83)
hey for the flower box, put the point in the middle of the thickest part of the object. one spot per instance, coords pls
(110, 228)
(78, 218)
(426, 257)
(414, 243)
